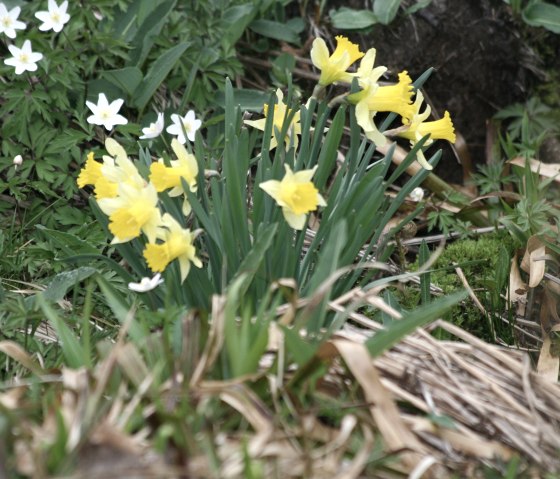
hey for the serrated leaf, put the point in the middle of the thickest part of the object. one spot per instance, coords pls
(69, 243)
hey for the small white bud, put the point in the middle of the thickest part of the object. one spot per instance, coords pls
(18, 160)
(417, 194)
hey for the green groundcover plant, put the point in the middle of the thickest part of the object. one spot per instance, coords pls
(56, 56)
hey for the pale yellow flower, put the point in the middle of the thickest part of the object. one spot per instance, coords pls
(374, 98)
(116, 169)
(281, 111)
(170, 177)
(296, 194)
(334, 67)
(131, 212)
(177, 244)
(418, 128)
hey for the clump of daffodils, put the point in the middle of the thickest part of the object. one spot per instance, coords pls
(132, 204)
(374, 97)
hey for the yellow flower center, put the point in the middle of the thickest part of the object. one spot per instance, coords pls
(157, 257)
(127, 222)
(105, 188)
(395, 98)
(24, 58)
(55, 16)
(164, 177)
(299, 197)
(439, 129)
(90, 173)
(343, 45)
(187, 125)
(7, 22)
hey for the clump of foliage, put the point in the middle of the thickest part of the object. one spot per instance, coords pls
(485, 263)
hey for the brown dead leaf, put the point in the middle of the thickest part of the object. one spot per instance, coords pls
(15, 351)
(549, 170)
(387, 417)
(548, 365)
(533, 261)
(517, 289)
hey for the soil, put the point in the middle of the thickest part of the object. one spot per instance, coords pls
(482, 59)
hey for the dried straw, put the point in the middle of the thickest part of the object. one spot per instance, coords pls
(499, 406)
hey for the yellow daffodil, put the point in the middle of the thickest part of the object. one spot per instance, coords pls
(418, 128)
(279, 114)
(118, 168)
(90, 173)
(296, 194)
(334, 67)
(169, 177)
(105, 177)
(177, 244)
(374, 98)
(132, 211)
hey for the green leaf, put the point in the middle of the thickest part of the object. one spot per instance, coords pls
(236, 19)
(423, 257)
(542, 14)
(127, 79)
(275, 30)
(300, 350)
(386, 10)
(328, 260)
(67, 242)
(152, 21)
(417, 6)
(254, 258)
(62, 282)
(73, 352)
(246, 98)
(121, 310)
(157, 73)
(397, 330)
(350, 19)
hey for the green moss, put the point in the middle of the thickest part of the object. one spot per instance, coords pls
(485, 263)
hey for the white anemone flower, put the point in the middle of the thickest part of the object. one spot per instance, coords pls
(24, 59)
(105, 113)
(146, 284)
(55, 18)
(154, 130)
(9, 22)
(184, 125)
